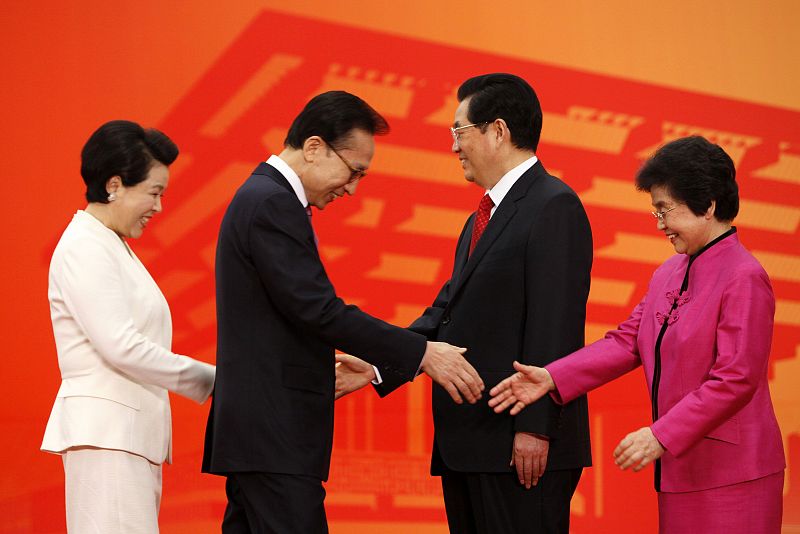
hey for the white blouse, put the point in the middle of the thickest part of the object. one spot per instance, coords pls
(113, 333)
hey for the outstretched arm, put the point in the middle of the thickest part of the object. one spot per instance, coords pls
(524, 387)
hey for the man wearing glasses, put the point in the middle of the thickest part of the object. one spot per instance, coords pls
(518, 291)
(270, 429)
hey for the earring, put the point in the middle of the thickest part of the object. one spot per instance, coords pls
(112, 197)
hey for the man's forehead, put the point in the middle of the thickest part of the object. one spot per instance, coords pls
(363, 147)
(460, 116)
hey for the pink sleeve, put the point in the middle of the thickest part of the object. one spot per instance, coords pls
(601, 362)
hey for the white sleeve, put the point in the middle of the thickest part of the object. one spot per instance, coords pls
(91, 286)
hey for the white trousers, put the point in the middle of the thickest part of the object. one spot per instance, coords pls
(111, 492)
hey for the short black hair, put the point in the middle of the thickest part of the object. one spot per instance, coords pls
(124, 149)
(332, 116)
(695, 172)
(507, 97)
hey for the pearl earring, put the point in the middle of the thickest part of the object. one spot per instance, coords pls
(112, 197)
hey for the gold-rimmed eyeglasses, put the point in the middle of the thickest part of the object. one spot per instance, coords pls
(456, 131)
(355, 174)
(660, 214)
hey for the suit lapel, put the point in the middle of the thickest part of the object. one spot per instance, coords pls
(495, 227)
(499, 221)
(462, 252)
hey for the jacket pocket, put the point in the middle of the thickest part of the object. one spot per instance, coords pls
(727, 431)
(102, 387)
(303, 378)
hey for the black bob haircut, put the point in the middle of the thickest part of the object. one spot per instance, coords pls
(507, 97)
(124, 149)
(332, 116)
(695, 172)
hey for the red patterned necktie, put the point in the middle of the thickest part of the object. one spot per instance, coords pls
(481, 220)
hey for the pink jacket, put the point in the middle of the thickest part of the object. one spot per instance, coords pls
(716, 419)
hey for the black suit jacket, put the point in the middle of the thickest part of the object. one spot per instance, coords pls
(278, 321)
(520, 296)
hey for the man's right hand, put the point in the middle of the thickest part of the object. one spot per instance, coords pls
(447, 367)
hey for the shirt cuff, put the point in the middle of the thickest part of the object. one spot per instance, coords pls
(378, 380)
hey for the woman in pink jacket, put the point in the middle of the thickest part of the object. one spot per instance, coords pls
(702, 335)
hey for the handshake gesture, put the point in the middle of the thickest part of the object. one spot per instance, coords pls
(444, 363)
(524, 387)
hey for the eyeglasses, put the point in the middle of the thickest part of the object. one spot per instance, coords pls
(456, 132)
(355, 174)
(660, 214)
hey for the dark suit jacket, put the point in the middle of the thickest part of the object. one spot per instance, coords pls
(520, 296)
(278, 321)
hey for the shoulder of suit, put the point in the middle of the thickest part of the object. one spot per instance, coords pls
(85, 232)
(740, 262)
(259, 187)
(558, 185)
(540, 178)
(85, 244)
(545, 187)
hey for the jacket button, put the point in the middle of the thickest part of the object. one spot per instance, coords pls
(446, 319)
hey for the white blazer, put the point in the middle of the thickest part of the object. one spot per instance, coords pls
(113, 333)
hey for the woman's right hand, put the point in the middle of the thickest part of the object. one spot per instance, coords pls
(527, 385)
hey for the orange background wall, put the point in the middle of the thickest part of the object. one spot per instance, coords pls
(615, 79)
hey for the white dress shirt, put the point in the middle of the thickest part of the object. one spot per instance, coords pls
(501, 188)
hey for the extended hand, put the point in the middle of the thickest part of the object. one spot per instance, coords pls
(447, 367)
(529, 457)
(352, 374)
(527, 385)
(638, 449)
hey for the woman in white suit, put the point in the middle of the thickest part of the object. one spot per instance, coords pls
(111, 419)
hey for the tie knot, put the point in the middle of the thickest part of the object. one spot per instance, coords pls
(486, 204)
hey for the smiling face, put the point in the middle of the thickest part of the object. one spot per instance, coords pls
(329, 176)
(687, 232)
(133, 207)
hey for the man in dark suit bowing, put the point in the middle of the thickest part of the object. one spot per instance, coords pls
(518, 291)
(270, 429)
